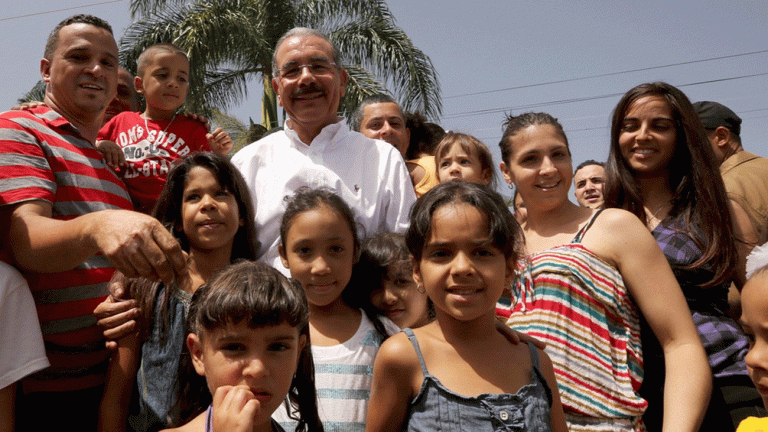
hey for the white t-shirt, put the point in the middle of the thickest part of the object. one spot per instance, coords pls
(343, 378)
(21, 343)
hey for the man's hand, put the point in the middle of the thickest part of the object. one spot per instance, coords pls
(138, 245)
(219, 141)
(112, 153)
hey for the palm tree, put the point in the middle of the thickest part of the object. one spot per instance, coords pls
(36, 93)
(232, 41)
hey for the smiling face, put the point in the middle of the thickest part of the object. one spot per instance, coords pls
(648, 137)
(458, 164)
(754, 320)
(164, 83)
(319, 251)
(81, 75)
(539, 165)
(209, 212)
(462, 273)
(310, 98)
(588, 183)
(399, 298)
(385, 121)
(263, 359)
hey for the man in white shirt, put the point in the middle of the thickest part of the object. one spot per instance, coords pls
(317, 148)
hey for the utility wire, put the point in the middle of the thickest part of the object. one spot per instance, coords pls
(59, 10)
(581, 99)
(604, 75)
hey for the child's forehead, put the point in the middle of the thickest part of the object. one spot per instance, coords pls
(161, 57)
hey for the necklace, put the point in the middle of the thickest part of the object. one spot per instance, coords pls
(653, 216)
(146, 126)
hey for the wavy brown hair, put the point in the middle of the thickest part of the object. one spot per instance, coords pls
(699, 197)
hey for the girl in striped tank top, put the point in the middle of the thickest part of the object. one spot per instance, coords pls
(588, 276)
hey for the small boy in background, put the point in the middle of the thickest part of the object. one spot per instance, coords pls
(142, 146)
(754, 320)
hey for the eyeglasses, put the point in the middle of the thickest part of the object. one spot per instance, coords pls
(316, 68)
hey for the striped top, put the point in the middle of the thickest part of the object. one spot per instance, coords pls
(343, 378)
(43, 157)
(578, 304)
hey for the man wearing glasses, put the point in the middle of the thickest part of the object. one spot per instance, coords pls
(316, 148)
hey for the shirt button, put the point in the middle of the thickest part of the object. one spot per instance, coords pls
(503, 415)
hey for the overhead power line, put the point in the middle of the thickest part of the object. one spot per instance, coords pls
(605, 74)
(581, 99)
(60, 10)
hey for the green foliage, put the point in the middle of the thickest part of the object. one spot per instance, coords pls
(230, 42)
(37, 93)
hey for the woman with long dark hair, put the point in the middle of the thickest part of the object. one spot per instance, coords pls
(661, 168)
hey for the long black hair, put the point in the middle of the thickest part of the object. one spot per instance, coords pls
(699, 197)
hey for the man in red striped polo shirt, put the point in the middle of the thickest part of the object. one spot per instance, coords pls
(69, 226)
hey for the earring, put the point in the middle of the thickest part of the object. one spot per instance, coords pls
(511, 186)
(420, 289)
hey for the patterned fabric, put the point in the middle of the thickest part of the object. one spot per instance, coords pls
(436, 408)
(44, 157)
(343, 378)
(723, 339)
(578, 304)
(149, 154)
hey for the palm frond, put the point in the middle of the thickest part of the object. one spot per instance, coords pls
(386, 50)
(36, 93)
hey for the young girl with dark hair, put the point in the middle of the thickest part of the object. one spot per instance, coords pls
(249, 339)
(385, 272)
(458, 373)
(460, 156)
(588, 277)
(319, 245)
(206, 205)
(661, 168)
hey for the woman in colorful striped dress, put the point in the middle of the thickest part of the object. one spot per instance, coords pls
(588, 276)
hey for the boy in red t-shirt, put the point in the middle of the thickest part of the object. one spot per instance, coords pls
(151, 141)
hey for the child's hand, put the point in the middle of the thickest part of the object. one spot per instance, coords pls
(516, 337)
(219, 141)
(234, 409)
(112, 153)
(27, 105)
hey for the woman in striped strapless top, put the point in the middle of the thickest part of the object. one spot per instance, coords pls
(588, 277)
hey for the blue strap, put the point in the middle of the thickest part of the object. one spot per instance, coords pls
(412, 337)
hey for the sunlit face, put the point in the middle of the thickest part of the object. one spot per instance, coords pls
(462, 273)
(209, 212)
(311, 98)
(164, 82)
(385, 121)
(125, 99)
(539, 165)
(458, 164)
(754, 319)
(400, 300)
(648, 136)
(588, 183)
(262, 360)
(81, 75)
(319, 251)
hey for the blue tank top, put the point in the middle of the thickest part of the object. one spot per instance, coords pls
(437, 408)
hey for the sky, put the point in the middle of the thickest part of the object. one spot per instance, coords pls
(572, 59)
